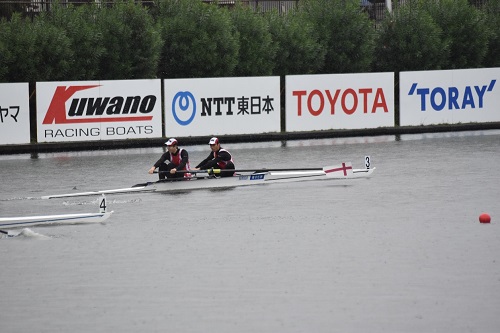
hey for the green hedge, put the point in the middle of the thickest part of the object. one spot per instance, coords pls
(198, 40)
(188, 38)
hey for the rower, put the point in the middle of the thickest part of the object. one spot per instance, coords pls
(178, 159)
(218, 158)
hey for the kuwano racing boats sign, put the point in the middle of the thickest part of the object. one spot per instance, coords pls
(98, 110)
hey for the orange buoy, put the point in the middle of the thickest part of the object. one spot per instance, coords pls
(484, 218)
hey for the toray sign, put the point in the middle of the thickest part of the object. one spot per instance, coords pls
(449, 97)
(339, 101)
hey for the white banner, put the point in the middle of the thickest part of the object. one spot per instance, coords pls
(220, 106)
(449, 97)
(14, 113)
(98, 110)
(339, 101)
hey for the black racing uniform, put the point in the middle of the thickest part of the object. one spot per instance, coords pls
(220, 159)
(164, 168)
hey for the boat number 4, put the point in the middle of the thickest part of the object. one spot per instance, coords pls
(102, 205)
(367, 162)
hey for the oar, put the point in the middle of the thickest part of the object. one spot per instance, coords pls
(9, 234)
(166, 180)
(137, 188)
(143, 187)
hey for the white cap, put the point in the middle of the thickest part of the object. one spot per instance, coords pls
(171, 141)
(213, 141)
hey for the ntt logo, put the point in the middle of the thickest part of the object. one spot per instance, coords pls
(183, 107)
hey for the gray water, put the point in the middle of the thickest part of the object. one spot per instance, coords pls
(401, 252)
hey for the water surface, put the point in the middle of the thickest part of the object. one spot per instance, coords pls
(400, 252)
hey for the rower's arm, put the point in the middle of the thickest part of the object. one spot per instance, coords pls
(202, 165)
(163, 158)
(213, 163)
(209, 164)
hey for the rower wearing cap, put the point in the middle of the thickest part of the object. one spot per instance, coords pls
(218, 158)
(178, 159)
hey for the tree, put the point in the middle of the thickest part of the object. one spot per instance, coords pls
(345, 32)
(257, 50)
(132, 42)
(492, 57)
(199, 40)
(464, 30)
(409, 39)
(5, 54)
(85, 36)
(37, 51)
(298, 48)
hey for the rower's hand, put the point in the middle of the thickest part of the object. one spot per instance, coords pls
(196, 169)
(152, 170)
(172, 171)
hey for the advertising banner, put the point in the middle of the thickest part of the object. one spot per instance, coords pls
(98, 110)
(14, 113)
(221, 106)
(449, 97)
(339, 101)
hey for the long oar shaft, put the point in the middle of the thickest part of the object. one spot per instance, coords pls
(243, 170)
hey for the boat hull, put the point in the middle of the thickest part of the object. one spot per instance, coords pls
(28, 221)
(259, 178)
(254, 179)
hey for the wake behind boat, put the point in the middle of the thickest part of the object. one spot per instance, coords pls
(208, 179)
(29, 221)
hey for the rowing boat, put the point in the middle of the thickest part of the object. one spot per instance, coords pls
(28, 221)
(208, 180)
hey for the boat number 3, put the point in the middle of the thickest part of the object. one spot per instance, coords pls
(367, 162)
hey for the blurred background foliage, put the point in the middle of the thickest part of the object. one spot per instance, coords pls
(195, 39)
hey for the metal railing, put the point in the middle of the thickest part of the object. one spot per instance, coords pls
(8, 7)
(30, 7)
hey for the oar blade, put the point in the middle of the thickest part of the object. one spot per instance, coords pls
(9, 233)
